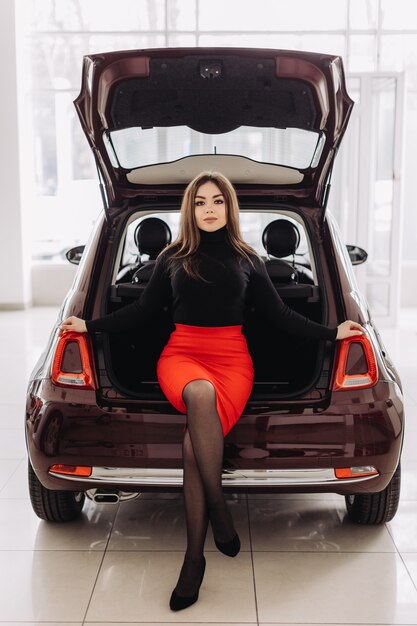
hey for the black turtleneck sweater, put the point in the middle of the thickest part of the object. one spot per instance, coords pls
(233, 284)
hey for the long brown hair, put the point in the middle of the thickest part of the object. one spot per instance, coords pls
(188, 240)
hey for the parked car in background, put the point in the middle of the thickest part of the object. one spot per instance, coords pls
(322, 416)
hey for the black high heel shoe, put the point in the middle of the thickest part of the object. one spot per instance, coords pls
(177, 602)
(230, 548)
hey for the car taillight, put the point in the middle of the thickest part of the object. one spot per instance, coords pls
(71, 470)
(72, 365)
(356, 366)
(355, 472)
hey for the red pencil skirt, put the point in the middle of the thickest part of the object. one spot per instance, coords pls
(215, 353)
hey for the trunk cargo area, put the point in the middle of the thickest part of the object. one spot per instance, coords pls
(285, 365)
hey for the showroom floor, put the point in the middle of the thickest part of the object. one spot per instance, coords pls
(301, 562)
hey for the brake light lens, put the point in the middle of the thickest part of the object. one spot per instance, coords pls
(356, 366)
(71, 470)
(355, 472)
(72, 365)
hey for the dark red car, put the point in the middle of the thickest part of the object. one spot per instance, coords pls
(322, 416)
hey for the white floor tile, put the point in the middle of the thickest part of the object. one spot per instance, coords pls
(41, 623)
(7, 468)
(409, 451)
(160, 525)
(410, 561)
(12, 415)
(46, 585)
(17, 485)
(136, 586)
(12, 444)
(21, 529)
(403, 528)
(408, 479)
(334, 589)
(312, 526)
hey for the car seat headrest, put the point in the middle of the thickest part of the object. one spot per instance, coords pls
(151, 236)
(281, 238)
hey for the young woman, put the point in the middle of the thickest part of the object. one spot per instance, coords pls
(205, 369)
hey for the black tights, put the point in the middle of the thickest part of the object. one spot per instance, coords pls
(203, 494)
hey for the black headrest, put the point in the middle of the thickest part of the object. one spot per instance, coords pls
(281, 238)
(151, 236)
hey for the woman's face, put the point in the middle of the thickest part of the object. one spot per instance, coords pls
(210, 207)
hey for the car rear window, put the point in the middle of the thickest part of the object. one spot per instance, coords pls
(252, 225)
(131, 148)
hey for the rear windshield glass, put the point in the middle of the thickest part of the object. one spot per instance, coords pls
(252, 226)
(136, 147)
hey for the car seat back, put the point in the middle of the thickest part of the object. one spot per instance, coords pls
(151, 236)
(281, 238)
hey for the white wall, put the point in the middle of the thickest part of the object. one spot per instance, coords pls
(15, 284)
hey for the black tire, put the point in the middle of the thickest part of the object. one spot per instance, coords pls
(54, 506)
(376, 508)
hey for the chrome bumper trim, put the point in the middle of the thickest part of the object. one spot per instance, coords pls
(237, 478)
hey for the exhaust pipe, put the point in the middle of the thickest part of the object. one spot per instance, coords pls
(108, 496)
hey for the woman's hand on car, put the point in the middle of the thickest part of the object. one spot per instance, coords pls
(74, 323)
(349, 329)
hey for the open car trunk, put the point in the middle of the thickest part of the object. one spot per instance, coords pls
(285, 365)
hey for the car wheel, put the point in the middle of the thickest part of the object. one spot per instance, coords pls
(376, 508)
(53, 506)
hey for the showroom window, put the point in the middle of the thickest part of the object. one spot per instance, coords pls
(55, 34)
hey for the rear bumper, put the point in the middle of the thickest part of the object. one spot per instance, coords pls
(273, 448)
(264, 479)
